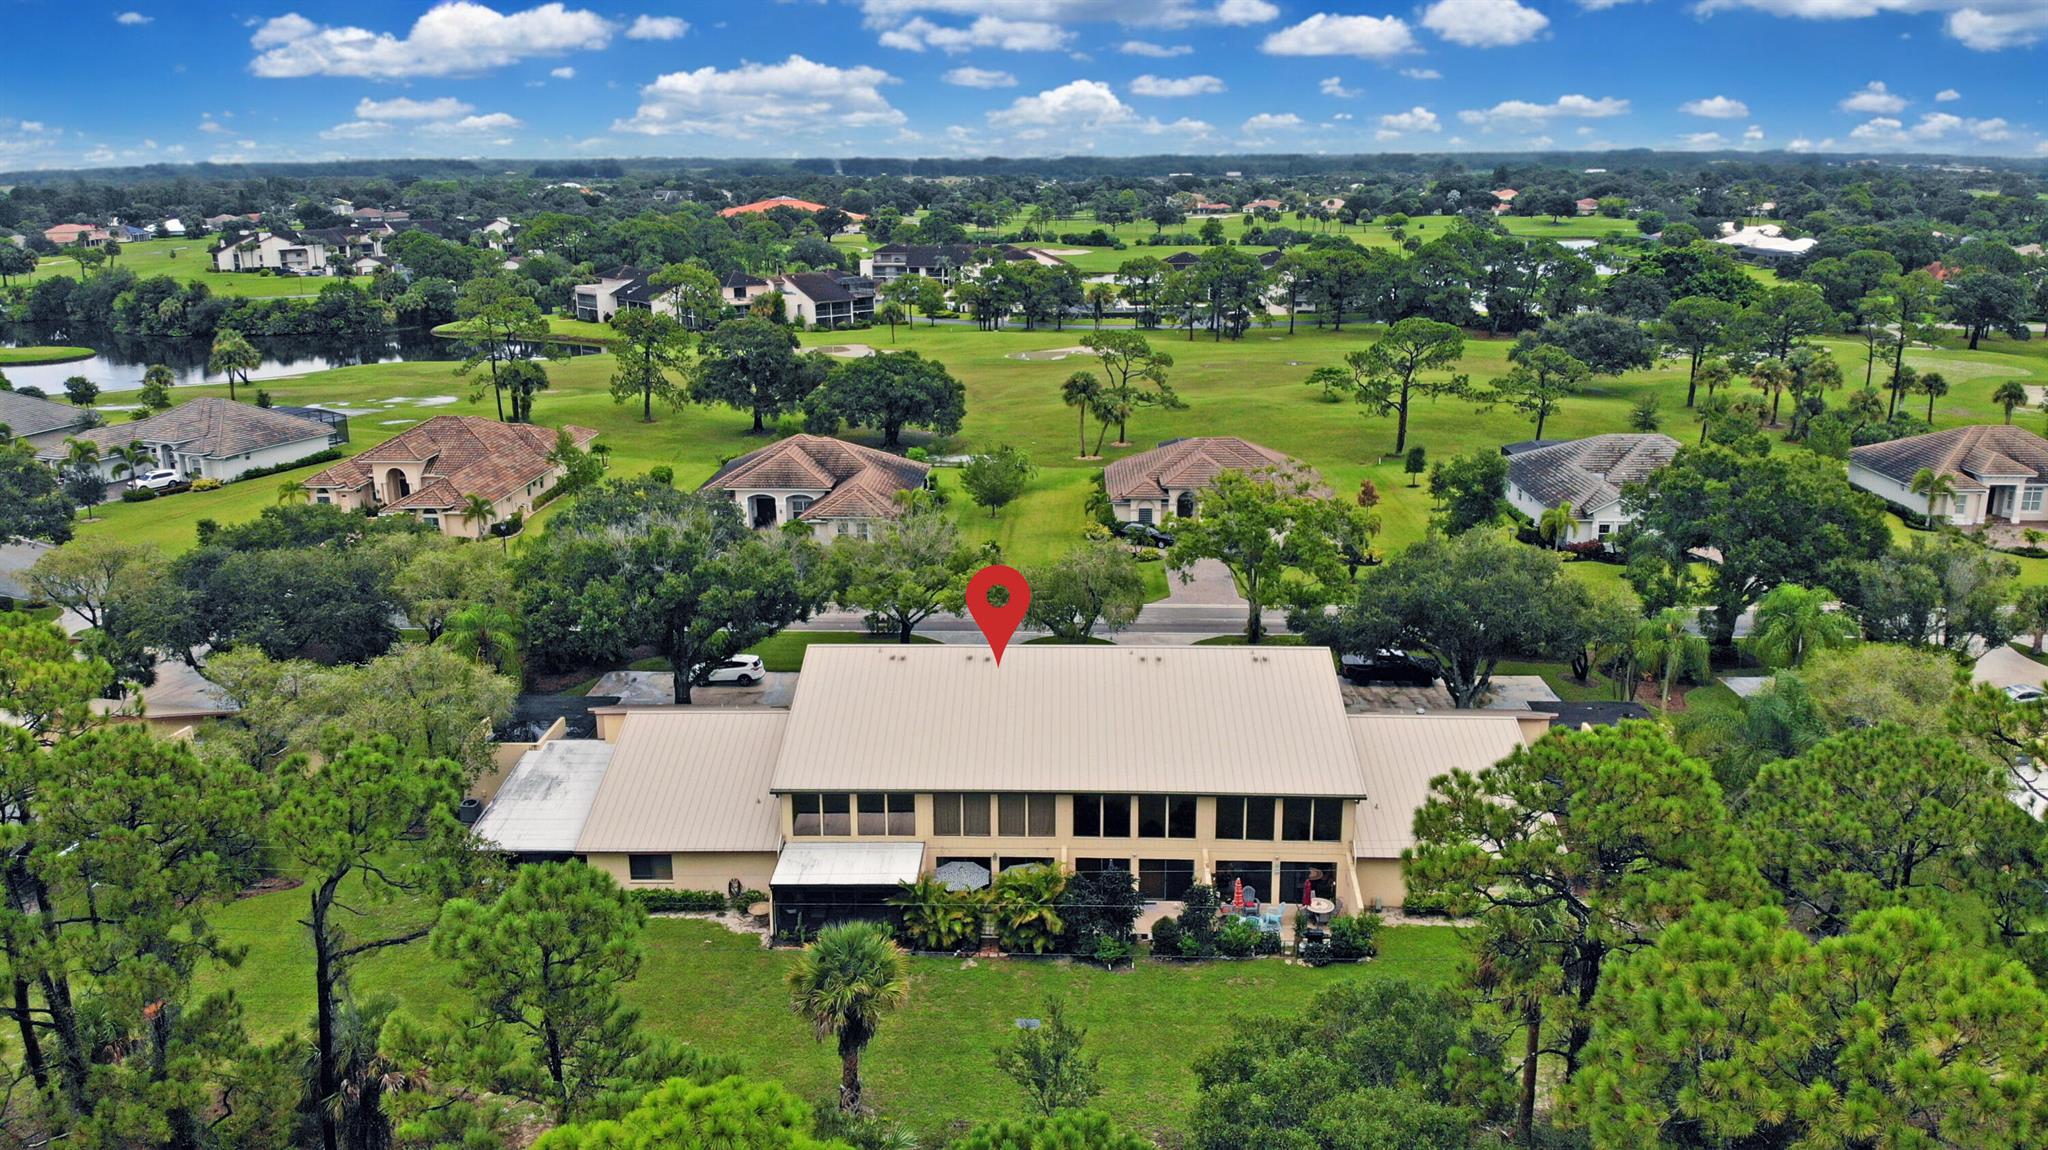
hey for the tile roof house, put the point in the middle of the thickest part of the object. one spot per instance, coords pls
(1247, 769)
(1169, 479)
(208, 438)
(774, 202)
(64, 235)
(1587, 205)
(1999, 472)
(1586, 473)
(839, 488)
(39, 422)
(432, 469)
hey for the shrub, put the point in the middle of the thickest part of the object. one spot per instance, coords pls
(1111, 950)
(137, 495)
(1166, 937)
(1199, 917)
(680, 901)
(1315, 953)
(1239, 938)
(664, 475)
(1354, 936)
(327, 456)
(1149, 555)
(1097, 905)
(205, 483)
(1025, 902)
(1269, 942)
(745, 899)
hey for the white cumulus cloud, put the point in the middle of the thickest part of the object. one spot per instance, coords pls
(1333, 86)
(402, 108)
(450, 39)
(1245, 12)
(1084, 105)
(563, 73)
(1416, 119)
(1986, 25)
(1716, 108)
(657, 28)
(979, 78)
(1369, 37)
(1484, 23)
(490, 122)
(1172, 87)
(1422, 73)
(1874, 98)
(1525, 112)
(985, 32)
(1947, 95)
(797, 96)
(132, 18)
(1267, 122)
(1155, 51)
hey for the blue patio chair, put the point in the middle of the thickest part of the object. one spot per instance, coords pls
(1270, 918)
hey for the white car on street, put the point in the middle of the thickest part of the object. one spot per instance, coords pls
(746, 670)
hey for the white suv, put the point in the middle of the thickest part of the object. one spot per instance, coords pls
(155, 480)
(746, 670)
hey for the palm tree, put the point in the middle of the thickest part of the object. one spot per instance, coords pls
(2010, 394)
(232, 356)
(1792, 622)
(892, 314)
(1772, 377)
(1934, 486)
(487, 633)
(292, 491)
(1711, 408)
(80, 474)
(1099, 297)
(1667, 648)
(1933, 386)
(1082, 390)
(1556, 525)
(841, 984)
(131, 457)
(479, 513)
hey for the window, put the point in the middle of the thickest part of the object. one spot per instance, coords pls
(1240, 817)
(1312, 820)
(1102, 816)
(1166, 816)
(2030, 497)
(1145, 515)
(1021, 815)
(829, 814)
(1012, 862)
(651, 868)
(322, 498)
(1092, 866)
(1256, 876)
(1319, 876)
(954, 813)
(1605, 529)
(1166, 880)
(888, 814)
(798, 504)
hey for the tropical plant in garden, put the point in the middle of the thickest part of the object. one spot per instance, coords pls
(1792, 622)
(1024, 901)
(936, 917)
(1935, 486)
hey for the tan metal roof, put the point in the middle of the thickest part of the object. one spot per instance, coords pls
(1159, 720)
(689, 779)
(1400, 754)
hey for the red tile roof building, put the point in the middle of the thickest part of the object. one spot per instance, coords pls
(431, 470)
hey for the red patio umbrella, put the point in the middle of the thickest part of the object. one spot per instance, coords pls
(1237, 894)
(1308, 891)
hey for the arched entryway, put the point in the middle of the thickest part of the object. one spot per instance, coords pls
(1185, 505)
(761, 510)
(395, 486)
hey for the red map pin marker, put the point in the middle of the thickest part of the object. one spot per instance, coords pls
(998, 623)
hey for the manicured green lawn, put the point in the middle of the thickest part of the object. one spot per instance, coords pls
(187, 260)
(932, 1062)
(562, 328)
(1559, 678)
(785, 652)
(47, 353)
(1252, 388)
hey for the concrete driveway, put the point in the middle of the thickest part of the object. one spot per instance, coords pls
(774, 690)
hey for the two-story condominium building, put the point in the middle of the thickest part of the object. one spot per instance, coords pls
(599, 302)
(277, 251)
(893, 761)
(823, 299)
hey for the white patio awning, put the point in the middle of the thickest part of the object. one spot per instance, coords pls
(847, 864)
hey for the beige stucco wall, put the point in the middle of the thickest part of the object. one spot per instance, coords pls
(1381, 879)
(706, 870)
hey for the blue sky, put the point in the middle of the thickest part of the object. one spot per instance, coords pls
(165, 81)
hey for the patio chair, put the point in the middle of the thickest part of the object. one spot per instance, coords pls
(1270, 918)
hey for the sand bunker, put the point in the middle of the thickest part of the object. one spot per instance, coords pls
(847, 350)
(1048, 355)
(1067, 251)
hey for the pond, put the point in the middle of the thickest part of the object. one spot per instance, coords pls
(118, 362)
